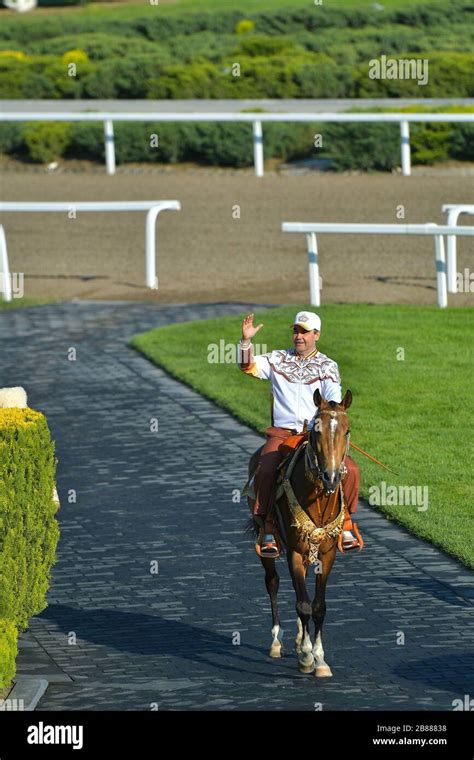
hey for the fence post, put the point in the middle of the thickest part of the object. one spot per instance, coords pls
(109, 146)
(151, 278)
(258, 148)
(314, 294)
(5, 281)
(452, 252)
(405, 148)
(441, 283)
(150, 248)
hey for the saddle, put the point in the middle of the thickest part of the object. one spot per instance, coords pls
(291, 443)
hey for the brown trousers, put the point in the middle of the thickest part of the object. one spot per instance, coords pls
(270, 458)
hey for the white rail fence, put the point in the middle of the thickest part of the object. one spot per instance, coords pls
(153, 208)
(454, 210)
(5, 280)
(436, 230)
(403, 119)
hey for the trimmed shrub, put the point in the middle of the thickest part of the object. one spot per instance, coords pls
(448, 72)
(430, 142)
(221, 144)
(8, 651)
(14, 74)
(289, 141)
(99, 46)
(29, 531)
(11, 138)
(259, 45)
(245, 26)
(184, 81)
(86, 141)
(352, 146)
(122, 77)
(274, 21)
(145, 54)
(76, 56)
(462, 142)
(15, 54)
(46, 141)
(367, 147)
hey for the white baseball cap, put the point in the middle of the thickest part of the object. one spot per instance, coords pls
(308, 320)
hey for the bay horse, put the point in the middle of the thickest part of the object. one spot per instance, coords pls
(310, 514)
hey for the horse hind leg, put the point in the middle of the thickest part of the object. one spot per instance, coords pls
(272, 582)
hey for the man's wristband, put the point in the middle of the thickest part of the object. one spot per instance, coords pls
(245, 343)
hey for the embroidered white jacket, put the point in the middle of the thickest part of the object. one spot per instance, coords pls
(294, 382)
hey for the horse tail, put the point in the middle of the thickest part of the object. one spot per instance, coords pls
(251, 528)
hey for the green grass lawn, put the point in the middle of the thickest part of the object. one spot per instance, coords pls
(18, 303)
(415, 414)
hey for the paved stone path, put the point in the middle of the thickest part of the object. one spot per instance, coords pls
(166, 640)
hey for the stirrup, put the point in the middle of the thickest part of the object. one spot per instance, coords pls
(267, 549)
(356, 543)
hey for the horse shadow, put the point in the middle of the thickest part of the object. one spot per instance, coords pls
(440, 672)
(153, 635)
(432, 587)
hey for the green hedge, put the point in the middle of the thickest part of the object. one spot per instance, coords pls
(281, 21)
(8, 651)
(29, 531)
(305, 52)
(290, 73)
(449, 73)
(350, 146)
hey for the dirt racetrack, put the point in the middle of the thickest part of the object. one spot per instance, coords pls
(205, 253)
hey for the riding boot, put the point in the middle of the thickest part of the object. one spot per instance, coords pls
(347, 541)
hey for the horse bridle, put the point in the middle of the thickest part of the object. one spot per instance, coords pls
(312, 468)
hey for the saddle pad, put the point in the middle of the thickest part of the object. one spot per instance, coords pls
(292, 442)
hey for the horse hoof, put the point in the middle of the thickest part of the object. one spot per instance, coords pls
(276, 652)
(323, 671)
(306, 668)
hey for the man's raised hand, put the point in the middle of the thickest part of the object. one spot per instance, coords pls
(248, 329)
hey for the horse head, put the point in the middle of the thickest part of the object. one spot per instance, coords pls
(328, 440)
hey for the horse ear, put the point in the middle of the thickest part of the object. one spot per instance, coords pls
(347, 400)
(317, 397)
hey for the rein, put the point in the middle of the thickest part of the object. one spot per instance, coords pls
(316, 470)
(373, 459)
(312, 468)
(313, 534)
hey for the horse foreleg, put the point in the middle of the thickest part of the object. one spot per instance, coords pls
(299, 636)
(272, 582)
(303, 610)
(322, 669)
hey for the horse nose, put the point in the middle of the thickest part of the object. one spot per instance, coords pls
(329, 478)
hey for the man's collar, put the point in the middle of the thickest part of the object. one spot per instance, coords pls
(308, 356)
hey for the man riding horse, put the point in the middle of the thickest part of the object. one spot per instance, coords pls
(295, 373)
